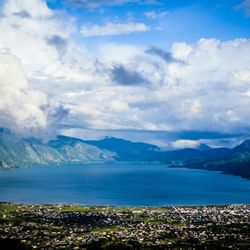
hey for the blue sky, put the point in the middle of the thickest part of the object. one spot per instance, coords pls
(151, 70)
(178, 20)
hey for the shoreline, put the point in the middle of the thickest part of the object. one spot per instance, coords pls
(120, 206)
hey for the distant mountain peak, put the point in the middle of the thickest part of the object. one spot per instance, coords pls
(244, 146)
(203, 147)
(246, 143)
(112, 138)
(122, 141)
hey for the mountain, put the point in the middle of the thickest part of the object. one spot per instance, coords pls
(18, 152)
(138, 151)
(236, 161)
(241, 153)
(127, 150)
(203, 147)
(190, 155)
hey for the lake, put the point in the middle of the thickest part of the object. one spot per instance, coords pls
(122, 185)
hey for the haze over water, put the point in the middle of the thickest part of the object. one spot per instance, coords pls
(122, 185)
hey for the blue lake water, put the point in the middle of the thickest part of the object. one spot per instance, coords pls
(121, 184)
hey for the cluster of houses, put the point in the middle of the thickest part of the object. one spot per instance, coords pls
(76, 227)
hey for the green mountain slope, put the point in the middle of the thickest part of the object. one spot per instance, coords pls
(236, 162)
(17, 152)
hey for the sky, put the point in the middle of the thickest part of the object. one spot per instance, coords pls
(172, 73)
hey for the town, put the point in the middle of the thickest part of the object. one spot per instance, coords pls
(72, 226)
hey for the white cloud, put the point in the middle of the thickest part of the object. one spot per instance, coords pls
(179, 144)
(206, 88)
(155, 14)
(214, 76)
(118, 53)
(93, 4)
(22, 109)
(43, 42)
(245, 6)
(33, 8)
(113, 29)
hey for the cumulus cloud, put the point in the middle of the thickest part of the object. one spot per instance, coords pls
(123, 76)
(113, 29)
(22, 109)
(44, 45)
(213, 80)
(30, 33)
(23, 14)
(165, 55)
(118, 52)
(59, 42)
(27, 8)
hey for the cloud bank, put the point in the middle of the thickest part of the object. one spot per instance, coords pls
(50, 79)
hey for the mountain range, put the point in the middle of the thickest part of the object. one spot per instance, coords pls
(236, 162)
(23, 152)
